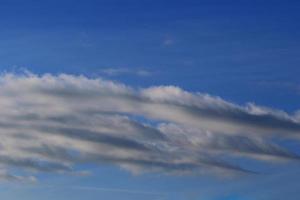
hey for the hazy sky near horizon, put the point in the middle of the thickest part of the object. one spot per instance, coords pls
(160, 100)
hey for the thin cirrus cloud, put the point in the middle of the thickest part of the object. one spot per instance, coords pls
(52, 123)
(125, 71)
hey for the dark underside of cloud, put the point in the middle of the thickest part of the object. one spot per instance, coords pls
(50, 124)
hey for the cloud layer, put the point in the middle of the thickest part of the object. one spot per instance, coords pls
(52, 123)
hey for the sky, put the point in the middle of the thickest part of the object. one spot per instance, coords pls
(159, 100)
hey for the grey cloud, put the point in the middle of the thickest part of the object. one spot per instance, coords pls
(6, 176)
(32, 164)
(51, 123)
(199, 140)
(96, 137)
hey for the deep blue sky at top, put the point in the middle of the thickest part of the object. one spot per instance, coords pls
(240, 50)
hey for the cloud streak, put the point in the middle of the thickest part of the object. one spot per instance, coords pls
(125, 71)
(51, 123)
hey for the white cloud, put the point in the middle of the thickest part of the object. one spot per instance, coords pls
(49, 124)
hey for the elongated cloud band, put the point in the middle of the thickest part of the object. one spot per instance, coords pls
(50, 124)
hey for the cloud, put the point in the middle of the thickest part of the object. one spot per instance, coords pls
(52, 123)
(125, 71)
(168, 42)
(6, 176)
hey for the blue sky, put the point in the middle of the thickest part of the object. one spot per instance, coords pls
(238, 52)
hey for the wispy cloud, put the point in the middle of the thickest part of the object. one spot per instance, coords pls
(168, 42)
(49, 124)
(287, 85)
(117, 190)
(125, 71)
